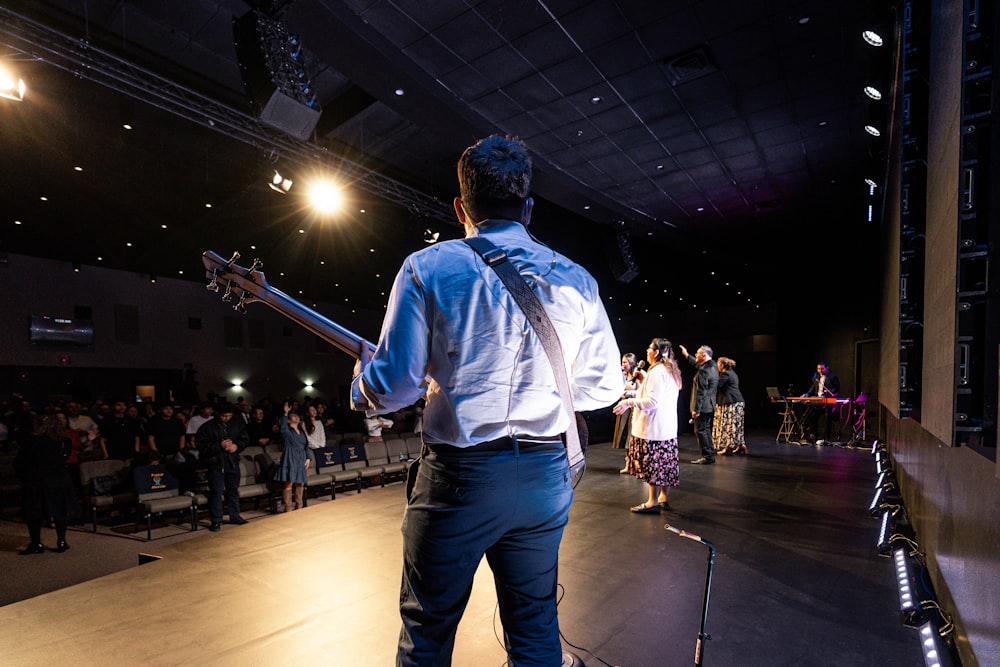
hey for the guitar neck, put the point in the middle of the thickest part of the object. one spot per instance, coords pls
(342, 339)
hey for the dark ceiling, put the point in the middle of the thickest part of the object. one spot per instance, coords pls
(725, 138)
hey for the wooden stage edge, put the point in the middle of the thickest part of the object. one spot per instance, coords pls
(319, 585)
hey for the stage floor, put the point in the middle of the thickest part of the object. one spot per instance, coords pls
(796, 581)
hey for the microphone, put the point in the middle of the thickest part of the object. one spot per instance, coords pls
(639, 366)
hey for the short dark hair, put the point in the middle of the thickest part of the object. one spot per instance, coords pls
(494, 177)
(224, 408)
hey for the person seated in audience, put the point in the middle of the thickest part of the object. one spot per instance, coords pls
(86, 428)
(259, 430)
(294, 465)
(46, 485)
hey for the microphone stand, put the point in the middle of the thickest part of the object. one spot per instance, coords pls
(699, 652)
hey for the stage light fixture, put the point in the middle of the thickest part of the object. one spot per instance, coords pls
(936, 651)
(873, 92)
(280, 184)
(910, 610)
(11, 86)
(431, 237)
(887, 531)
(872, 130)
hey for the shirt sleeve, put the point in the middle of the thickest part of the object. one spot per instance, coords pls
(394, 377)
(596, 374)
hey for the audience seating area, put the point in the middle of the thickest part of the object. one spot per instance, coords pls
(109, 487)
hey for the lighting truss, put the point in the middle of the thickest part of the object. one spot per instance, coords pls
(87, 61)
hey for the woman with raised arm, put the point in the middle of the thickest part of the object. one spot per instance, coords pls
(294, 465)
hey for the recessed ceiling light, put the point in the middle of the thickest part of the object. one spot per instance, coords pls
(871, 182)
(163, 226)
(128, 244)
(400, 92)
(127, 126)
(822, 123)
(78, 168)
(659, 166)
(302, 231)
(804, 20)
(208, 206)
(873, 92)
(17, 222)
(586, 207)
(872, 37)
(872, 130)
(596, 99)
(44, 198)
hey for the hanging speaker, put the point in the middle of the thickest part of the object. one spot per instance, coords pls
(622, 261)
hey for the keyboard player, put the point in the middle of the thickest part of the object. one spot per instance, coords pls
(824, 385)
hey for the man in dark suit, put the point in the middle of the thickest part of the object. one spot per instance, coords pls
(703, 390)
(824, 385)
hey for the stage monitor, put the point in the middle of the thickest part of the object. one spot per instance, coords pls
(46, 330)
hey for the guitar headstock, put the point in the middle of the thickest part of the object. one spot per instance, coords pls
(247, 284)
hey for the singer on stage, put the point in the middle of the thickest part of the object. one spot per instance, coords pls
(493, 478)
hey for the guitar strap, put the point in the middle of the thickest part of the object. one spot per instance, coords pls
(518, 287)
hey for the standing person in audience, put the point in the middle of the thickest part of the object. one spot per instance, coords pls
(494, 478)
(205, 413)
(120, 433)
(313, 426)
(293, 467)
(652, 451)
(164, 434)
(703, 390)
(727, 427)
(374, 426)
(219, 442)
(46, 487)
(632, 375)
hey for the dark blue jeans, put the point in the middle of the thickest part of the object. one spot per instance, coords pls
(219, 480)
(511, 506)
(703, 433)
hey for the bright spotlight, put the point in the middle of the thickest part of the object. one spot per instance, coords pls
(325, 197)
(11, 86)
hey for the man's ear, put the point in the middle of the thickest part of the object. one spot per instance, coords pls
(460, 210)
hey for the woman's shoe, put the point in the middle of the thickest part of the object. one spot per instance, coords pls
(623, 471)
(727, 451)
(665, 506)
(645, 509)
(32, 549)
(62, 546)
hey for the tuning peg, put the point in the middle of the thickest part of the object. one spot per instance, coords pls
(228, 295)
(236, 256)
(241, 305)
(214, 285)
(257, 264)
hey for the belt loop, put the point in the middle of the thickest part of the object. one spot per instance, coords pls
(513, 441)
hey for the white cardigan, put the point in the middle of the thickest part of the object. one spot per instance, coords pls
(654, 409)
